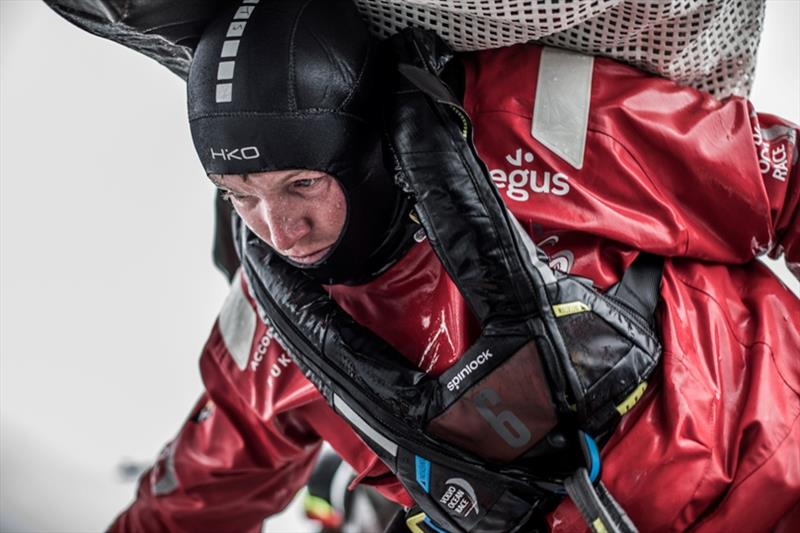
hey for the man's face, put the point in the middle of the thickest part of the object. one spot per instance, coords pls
(298, 213)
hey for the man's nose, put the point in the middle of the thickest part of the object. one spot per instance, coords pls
(286, 225)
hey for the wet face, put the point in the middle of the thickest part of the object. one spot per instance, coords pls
(299, 213)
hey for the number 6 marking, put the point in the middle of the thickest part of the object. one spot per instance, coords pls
(505, 423)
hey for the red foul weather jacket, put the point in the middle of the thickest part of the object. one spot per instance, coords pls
(598, 161)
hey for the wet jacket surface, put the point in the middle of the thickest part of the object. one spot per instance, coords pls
(714, 443)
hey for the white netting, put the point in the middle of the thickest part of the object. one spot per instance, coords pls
(708, 44)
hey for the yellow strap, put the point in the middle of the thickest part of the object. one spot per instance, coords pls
(570, 308)
(632, 398)
(413, 522)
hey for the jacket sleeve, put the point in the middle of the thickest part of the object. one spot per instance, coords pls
(728, 175)
(775, 141)
(648, 163)
(230, 466)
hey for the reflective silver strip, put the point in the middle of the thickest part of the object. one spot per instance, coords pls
(169, 481)
(561, 109)
(225, 70)
(230, 48)
(362, 425)
(224, 92)
(236, 29)
(237, 324)
(243, 12)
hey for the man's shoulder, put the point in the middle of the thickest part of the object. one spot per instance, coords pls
(243, 352)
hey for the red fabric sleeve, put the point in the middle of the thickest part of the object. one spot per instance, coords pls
(728, 175)
(666, 168)
(776, 143)
(228, 469)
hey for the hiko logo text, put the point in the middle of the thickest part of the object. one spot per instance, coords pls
(235, 154)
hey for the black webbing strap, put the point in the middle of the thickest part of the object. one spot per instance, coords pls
(639, 286)
(597, 506)
(398, 523)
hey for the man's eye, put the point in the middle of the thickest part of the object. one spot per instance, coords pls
(306, 183)
(230, 195)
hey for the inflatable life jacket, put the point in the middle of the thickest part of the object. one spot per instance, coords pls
(555, 366)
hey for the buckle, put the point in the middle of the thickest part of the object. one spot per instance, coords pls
(418, 522)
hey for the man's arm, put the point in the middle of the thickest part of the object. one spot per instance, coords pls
(655, 165)
(215, 477)
(728, 175)
(245, 450)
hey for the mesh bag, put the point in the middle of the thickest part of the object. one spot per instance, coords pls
(707, 44)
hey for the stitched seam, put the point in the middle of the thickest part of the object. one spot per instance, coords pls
(290, 95)
(733, 488)
(733, 332)
(278, 114)
(786, 383)
(360, 77)
(172, 25)
(616, 141)
(712, 417)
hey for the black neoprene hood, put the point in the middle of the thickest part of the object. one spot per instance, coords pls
(296, 84)
(288, 84)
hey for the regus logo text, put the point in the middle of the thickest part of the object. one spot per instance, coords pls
(521, 182)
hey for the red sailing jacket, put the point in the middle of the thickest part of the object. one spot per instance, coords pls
(598, 161)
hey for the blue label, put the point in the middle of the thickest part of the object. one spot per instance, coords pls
(423, 472)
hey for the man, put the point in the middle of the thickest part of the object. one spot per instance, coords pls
(286, 113)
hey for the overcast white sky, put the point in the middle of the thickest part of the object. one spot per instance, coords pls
(108, 290)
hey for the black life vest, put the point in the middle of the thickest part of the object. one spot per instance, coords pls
(497, 439)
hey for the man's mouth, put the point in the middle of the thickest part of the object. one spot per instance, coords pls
(311, 258)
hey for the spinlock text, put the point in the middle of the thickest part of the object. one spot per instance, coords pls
(468, 368)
